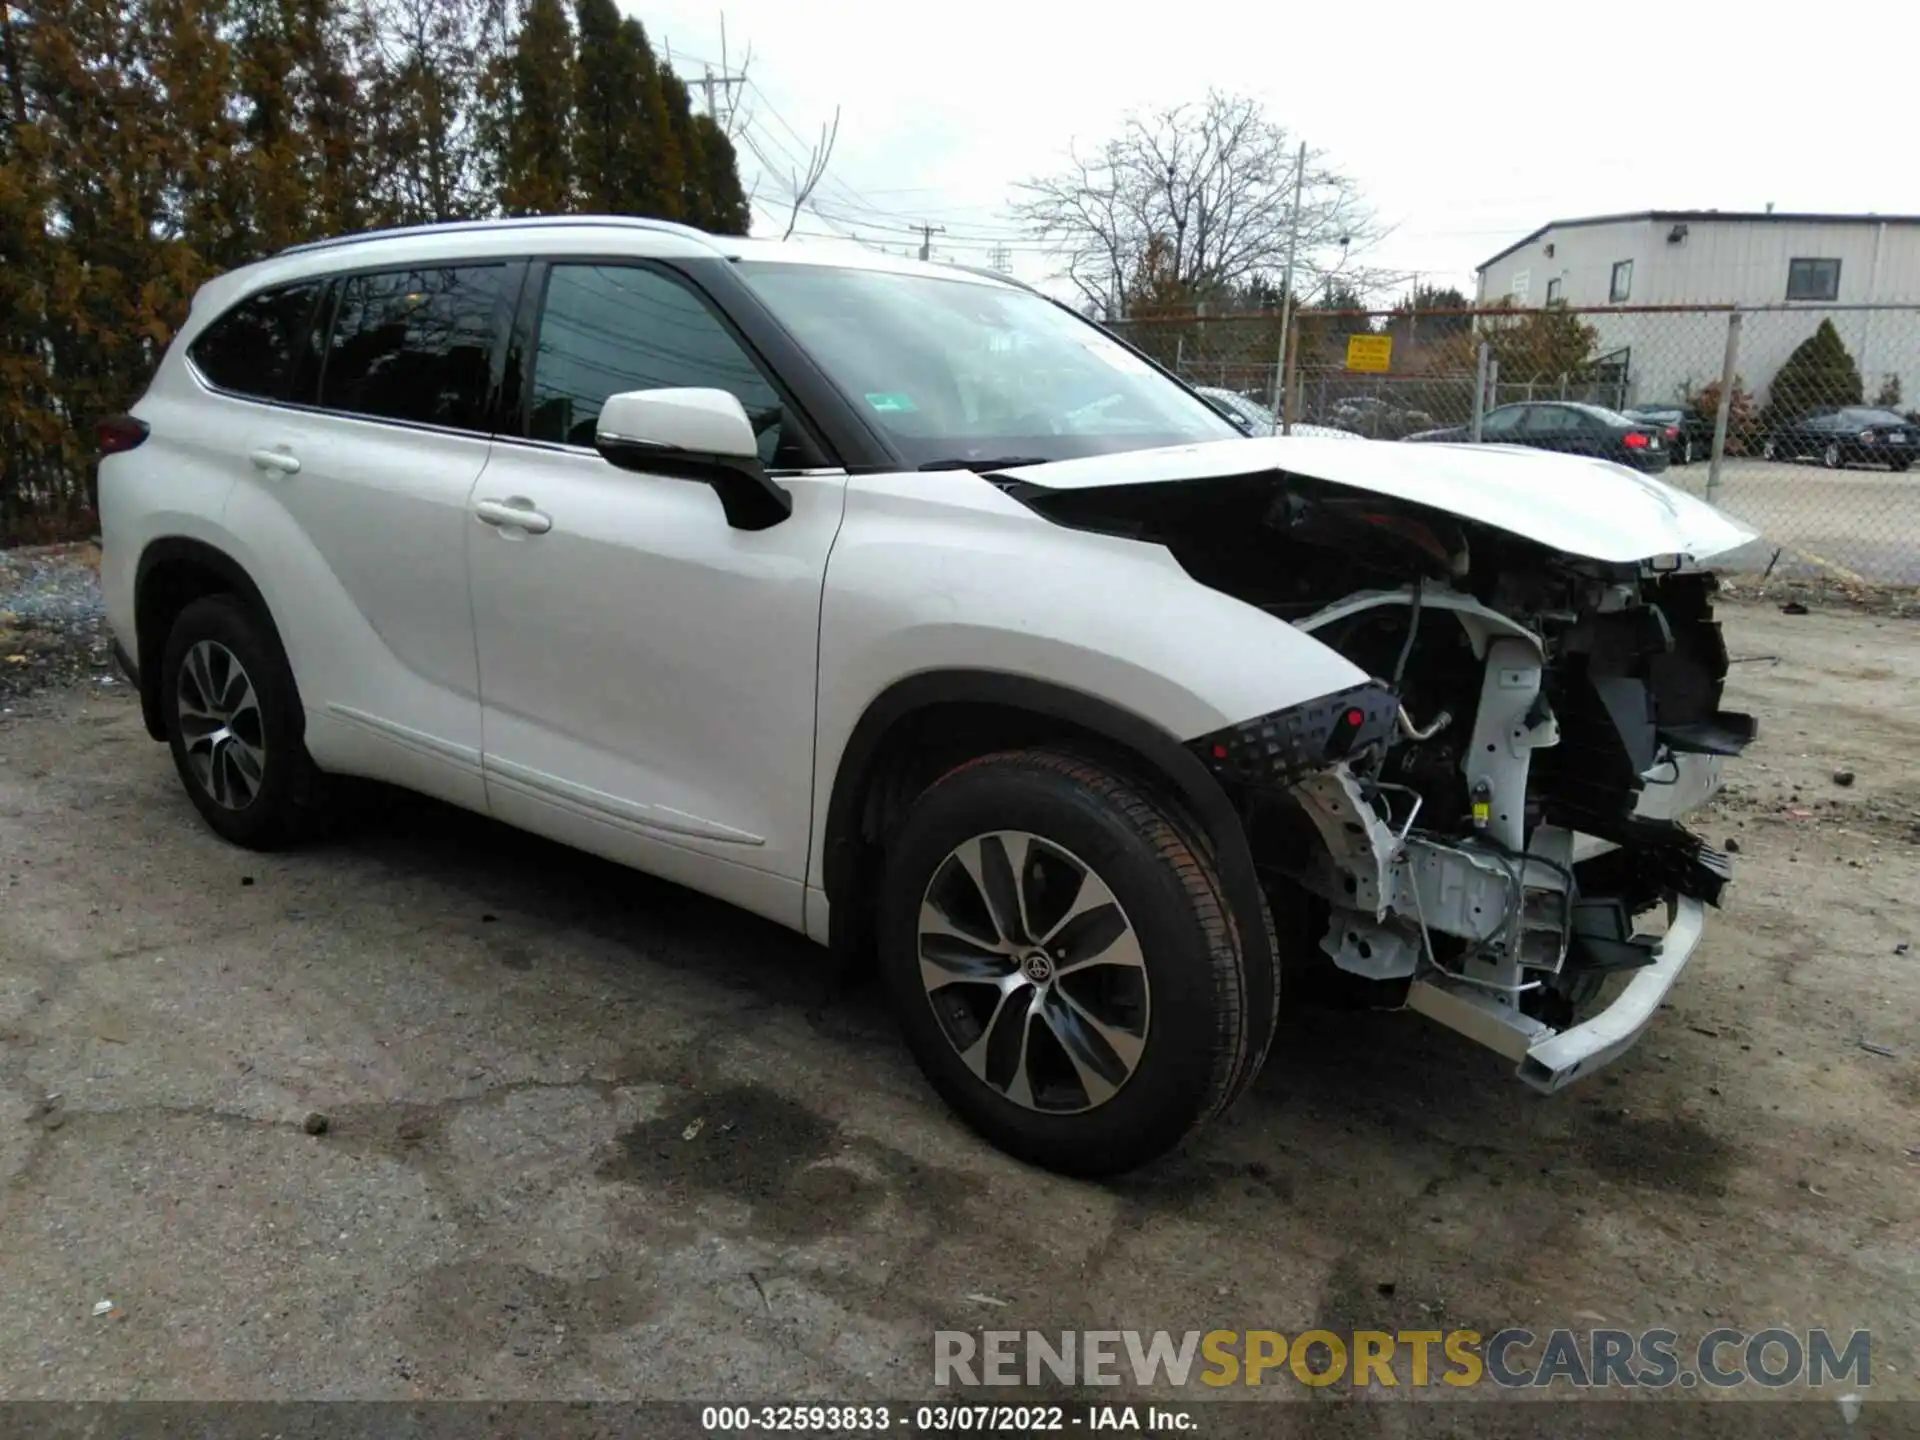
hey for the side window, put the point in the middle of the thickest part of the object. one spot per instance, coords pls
(416, 345)
(1552, 420)
(609, 328)
(1813, 280)
(1621, 289)
(257, 348)
(1501, 422)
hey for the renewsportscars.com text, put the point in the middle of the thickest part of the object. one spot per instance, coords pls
(1513, 1358)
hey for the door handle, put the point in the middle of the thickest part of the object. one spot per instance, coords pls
(275, 460)
(516, 512)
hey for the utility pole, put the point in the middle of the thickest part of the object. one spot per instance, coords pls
(1280, 406)
(1000, 258)
(927, 232)
(726, 84)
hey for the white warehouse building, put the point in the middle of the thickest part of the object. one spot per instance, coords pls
(1801, 265)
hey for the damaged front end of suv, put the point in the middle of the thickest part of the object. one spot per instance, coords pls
(1492, 827)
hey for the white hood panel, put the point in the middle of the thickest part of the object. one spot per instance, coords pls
(1570, 503)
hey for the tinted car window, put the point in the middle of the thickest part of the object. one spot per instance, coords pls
(1502, 422)
(1552, 420)
(1873, 417)
(256, 349)
(416, 345)
(609, 328)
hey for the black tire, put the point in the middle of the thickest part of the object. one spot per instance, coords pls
(1900, 467)
(289, 797)
(1210, 1011)
(1833, 457)
(1770, 449)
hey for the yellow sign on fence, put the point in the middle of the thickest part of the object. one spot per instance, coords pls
(1369, 352)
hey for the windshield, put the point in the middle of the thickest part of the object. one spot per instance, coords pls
(957, 370)
(1256, 414)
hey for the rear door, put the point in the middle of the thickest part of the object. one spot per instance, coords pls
(355, 495)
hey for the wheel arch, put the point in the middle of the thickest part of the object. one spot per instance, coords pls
(172, 573)
(887, 759)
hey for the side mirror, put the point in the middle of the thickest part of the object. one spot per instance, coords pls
(694, 434)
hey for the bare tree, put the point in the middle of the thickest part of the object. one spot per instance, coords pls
(803, 182)
(1214, 184)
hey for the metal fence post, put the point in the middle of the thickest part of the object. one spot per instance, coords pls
(1725, 407)
(1479, 391)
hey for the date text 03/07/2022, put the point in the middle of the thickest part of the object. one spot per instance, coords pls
(943, 1418)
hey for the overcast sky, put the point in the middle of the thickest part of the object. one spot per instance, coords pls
(1466, 125)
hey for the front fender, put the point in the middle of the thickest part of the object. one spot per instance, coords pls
(942, 572)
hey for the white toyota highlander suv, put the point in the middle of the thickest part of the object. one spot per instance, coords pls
(901, 605)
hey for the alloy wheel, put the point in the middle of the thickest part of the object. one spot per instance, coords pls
(1831, 457)
(1034, 972)
(221, 727)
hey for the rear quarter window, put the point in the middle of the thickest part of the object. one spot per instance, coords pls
(262, 347)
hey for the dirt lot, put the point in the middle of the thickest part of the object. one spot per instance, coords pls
(511, 1044)
(1857, 526)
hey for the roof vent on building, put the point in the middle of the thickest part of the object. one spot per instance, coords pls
(1676, 234)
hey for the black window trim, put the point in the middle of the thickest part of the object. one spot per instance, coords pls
(332, 283)
(1811, 260)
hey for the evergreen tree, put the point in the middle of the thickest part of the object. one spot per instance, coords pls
(538, 175)
(723, 205)
(1819, 372)
(147, 145)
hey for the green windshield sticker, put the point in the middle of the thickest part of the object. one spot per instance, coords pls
(889, 403)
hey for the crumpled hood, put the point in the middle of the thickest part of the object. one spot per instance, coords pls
(1571, 503)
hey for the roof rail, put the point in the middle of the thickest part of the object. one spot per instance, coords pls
(456, 227)
(990, 274)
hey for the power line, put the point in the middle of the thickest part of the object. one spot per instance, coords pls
(927, 232)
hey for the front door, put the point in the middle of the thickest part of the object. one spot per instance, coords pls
(647, 672)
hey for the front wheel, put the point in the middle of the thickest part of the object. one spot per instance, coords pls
(1830, 457)
(1770, 450)
(1063, 962)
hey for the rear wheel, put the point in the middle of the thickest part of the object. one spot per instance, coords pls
(1064, 965)
(1686, 450)
(1770, 450)
(234, 726)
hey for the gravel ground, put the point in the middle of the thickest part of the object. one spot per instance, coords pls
(52, 630)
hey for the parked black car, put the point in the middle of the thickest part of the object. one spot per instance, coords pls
(1688, 432)
(1568, 426)
(1847, 435)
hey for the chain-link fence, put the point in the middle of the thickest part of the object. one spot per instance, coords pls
(1812, 446)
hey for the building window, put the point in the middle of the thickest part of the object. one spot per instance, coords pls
(1622, 286)
(1813, 280)
(1553, 291)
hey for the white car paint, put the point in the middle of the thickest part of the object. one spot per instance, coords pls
(1572, 503)
(597, 655)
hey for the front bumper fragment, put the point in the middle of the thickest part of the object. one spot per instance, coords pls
(1550, 1059)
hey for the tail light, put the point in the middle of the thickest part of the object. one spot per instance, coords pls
(119, 433)
(1634, 440)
